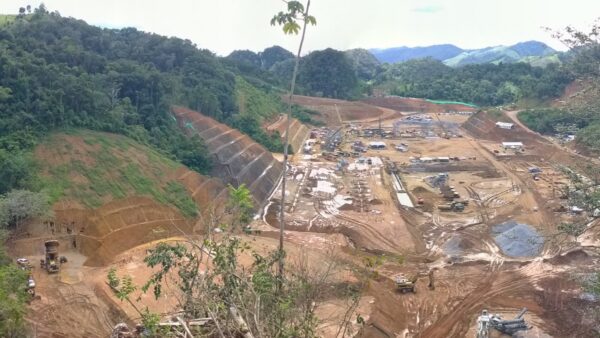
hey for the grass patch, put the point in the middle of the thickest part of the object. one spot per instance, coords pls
(177, 195)
(55, 185)
(5, 19)
(141, 184)
(105, 172)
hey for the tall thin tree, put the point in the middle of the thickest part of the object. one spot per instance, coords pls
(289, 20)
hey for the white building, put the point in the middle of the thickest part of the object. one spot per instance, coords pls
(377, 145)
(505, 125)
(512, 145)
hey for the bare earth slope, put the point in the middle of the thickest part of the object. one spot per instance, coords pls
(237, 158)
(113, 193)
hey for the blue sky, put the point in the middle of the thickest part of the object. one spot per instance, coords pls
(225, 25)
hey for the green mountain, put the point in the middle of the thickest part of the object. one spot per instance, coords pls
(528, 51)
(60, 73)
(521, 52)
(401, 54)
(364, 63)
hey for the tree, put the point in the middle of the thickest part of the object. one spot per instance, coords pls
(21, 205)
(329, 73)
(296, 12)
(241, 300)
(245, 56)
(273, 55)
(13, 295)
(240, 203)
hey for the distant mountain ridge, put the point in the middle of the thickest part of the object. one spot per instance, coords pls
(454, 56)
(400, 54)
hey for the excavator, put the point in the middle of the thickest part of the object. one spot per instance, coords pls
(407, 284)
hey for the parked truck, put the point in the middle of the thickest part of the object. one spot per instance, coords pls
(53, 261)
(454, 206)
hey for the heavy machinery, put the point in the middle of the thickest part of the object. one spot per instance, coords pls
(53, 261)
(454, 206)
(404, 284)
(510, 326)
(23, 264)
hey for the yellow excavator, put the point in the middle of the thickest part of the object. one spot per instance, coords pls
(407, 284)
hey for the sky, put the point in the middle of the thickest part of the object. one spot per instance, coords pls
(226, 25)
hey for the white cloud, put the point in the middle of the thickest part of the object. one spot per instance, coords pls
(225, 25)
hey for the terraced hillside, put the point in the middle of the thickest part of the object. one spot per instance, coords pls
(298, 131)
(238, 159)
(111, 193)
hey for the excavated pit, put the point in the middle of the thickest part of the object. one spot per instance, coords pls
(238, 159)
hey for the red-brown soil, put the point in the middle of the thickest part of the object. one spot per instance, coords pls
(335, 112)
(298, 131)
(406, 104)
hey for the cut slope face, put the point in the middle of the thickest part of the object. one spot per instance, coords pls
(407, 104)
(335, 112)
(483, 126)
(112, 193)
(298, 131)
(238, 159)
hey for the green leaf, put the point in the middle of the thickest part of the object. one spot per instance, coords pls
(291, 28)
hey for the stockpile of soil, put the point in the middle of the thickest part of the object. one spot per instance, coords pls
(517, 239)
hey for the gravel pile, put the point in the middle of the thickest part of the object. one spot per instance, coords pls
(517, 240)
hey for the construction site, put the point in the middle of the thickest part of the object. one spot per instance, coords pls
(464, 213)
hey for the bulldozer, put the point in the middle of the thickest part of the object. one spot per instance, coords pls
(53, 261)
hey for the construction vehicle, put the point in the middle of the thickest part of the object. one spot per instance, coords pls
(458, 206)
(404, 284)
(23, 264)
(53, 261)
(31, 286)
(407, 284)
(509, 326)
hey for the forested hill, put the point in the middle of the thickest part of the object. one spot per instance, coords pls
(355, 73)
(58, 72)
(528, 51)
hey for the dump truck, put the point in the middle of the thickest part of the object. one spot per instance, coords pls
(53, 261)
(404, 284)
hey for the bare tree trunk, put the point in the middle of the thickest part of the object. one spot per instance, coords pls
(241, 323)
(286, 146)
